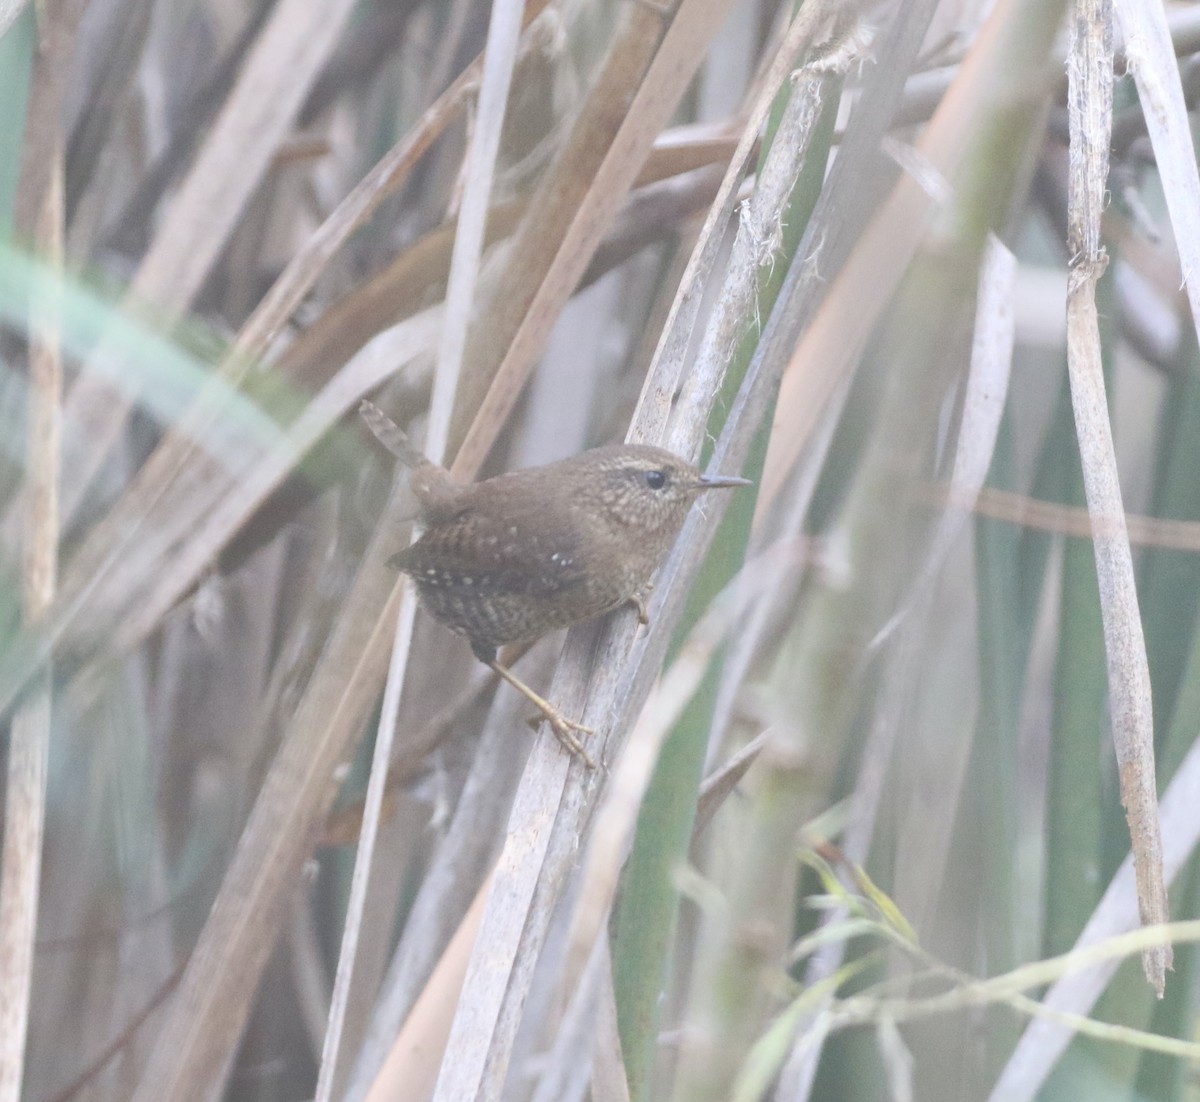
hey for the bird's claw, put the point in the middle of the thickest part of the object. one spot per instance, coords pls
(639, 605)
(564, 730)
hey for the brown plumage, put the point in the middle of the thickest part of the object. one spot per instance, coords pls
(516, 556)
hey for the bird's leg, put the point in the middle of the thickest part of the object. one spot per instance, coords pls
(564, 729)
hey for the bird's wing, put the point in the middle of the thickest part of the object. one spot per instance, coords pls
(522, 551)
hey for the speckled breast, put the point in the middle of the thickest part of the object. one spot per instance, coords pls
(474, 606)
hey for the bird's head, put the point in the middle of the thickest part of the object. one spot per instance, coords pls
(646, 489)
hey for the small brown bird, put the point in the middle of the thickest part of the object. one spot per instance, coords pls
(513, 557)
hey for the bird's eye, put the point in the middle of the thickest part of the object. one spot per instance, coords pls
(656, 480)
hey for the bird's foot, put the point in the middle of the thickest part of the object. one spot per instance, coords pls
(565, 731)
(638, 600)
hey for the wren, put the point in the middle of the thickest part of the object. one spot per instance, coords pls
(519, 555)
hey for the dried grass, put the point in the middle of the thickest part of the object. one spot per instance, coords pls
(759, 239)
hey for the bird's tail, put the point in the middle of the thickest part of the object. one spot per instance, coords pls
(392, 436)
(438, 496)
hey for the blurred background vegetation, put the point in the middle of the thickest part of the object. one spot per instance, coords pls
(827, 242)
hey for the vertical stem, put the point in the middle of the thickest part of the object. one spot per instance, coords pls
(39, 215)
(1089, 99)
(504, 33)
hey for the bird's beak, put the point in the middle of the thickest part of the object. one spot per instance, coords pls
(721, 482)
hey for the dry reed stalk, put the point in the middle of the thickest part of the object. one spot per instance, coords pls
(575, 203)
(983, 407)
(531, 869)
(499, 62)
(668, 364)
(206, 1016)
(979, 113)
(1090, 74)
(1068, 520)
(1075, 992)
(734, 313)
(410, 1071)
(256, 117)
(39, 215)
(179, 481)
